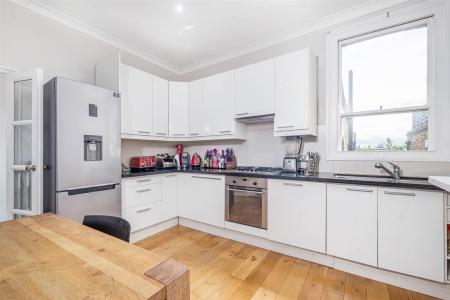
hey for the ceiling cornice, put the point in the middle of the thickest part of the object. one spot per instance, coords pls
(92, 31)
(322, 23)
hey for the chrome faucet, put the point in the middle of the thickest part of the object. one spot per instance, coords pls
(395, 173)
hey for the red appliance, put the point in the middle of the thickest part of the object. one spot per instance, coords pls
(196, 161)
(142, 163)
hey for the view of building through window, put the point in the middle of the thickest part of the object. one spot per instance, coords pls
(384, 92)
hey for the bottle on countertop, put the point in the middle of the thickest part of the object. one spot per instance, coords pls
(206, 160)
(222, 162)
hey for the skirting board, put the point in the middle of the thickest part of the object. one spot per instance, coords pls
(404, 281)
(149, 231)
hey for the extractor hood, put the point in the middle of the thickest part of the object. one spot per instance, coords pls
(257, 119)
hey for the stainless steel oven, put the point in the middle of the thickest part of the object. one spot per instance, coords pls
(246, 201)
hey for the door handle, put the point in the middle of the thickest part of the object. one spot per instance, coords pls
(143, 180)
(293, 184)
(400, 194)
(245, 191)
(242, 114)
(210, 178)
(143, 210)
(281, 127)
(225, 131)
(143, 191)
(144, 132)
(30, 168)
(359, 190)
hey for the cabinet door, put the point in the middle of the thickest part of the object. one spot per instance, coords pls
(160, 106)
(124, 100)
(292, 91)
(219, 100)
(352, 223)
(255, 85)
(138, 91)
(196, 109)
(202, 198)
(297, 214)
(169, 196)
(411, 232)
(178, 109)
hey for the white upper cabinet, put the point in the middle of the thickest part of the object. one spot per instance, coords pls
(411, 232)
(137, 96)
(160, 107)
(296, 94)
(196, 109)
(219, 104)
(255, 88)
(352, 222)
(297, 213)
(178, 109)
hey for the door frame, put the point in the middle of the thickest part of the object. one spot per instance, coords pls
(36, 75)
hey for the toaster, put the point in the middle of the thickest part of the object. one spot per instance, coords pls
(165, 162)
(142, 163)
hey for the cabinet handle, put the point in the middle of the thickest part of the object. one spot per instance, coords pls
(400, 194)
(293, 184)
(194, 133)
(144, 132)
(241, 114)
(178, 134)
(143, 191)
(225, 131)
(143, 210)
(281, 127)
(161, 133)
(172, 175)
(245, 191)
(143, 180)
(211, 178)
(359, 190)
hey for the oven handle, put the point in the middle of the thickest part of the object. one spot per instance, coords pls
(245, 191)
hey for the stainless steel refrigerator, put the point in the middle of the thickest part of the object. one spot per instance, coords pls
(82, 165)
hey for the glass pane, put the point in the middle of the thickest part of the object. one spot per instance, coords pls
(393, 132)
(22, 144)
(22, 100)
(388, 71)
(22, 190)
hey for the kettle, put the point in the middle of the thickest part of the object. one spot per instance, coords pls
(196, 161)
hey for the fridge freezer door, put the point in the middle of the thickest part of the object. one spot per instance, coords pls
(88, 135)
(98, 200)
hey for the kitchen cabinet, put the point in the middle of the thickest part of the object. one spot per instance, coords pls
(255, 87)
(297, 213)
(296, 94)
(352, 222)
(137, 101)
(411, 232)
(142, 201)
(197, 112)
(202, 198)
(160, 107)
(169, 196)
(219, 103)
(178, 109)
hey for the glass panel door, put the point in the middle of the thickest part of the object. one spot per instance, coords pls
(24, 154)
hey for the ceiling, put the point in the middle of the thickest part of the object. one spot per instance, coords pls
(186, 34)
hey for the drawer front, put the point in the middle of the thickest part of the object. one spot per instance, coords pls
(144, 216)
(144, 180)
(140, 195)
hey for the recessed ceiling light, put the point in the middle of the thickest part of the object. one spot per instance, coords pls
(179, 8)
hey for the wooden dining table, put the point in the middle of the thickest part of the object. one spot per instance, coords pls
(51, 257)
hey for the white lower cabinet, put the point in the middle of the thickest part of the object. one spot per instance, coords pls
(169, 196)
(411, 232)
(297, 213)
(202, 198)
(352, 222)
(143, 216)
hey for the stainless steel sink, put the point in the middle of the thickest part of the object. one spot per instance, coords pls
(410, 180)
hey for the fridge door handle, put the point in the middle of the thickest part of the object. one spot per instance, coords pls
(91, 189)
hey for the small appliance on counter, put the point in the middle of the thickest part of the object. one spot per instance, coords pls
(165, 161)
(292, 162)
(185, 161)
(125, 170)
(179, 154)
(142, 163)
(196, 161)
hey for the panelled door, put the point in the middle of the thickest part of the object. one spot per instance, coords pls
(24, 143)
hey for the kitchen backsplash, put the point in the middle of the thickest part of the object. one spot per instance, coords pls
(263, 149)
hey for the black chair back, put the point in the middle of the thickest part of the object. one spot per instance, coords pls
(114, 226)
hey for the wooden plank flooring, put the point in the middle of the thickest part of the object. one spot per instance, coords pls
(225, 269)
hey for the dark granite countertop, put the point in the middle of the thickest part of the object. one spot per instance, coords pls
(406, 182)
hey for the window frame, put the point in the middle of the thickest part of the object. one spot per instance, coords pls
(433, 14)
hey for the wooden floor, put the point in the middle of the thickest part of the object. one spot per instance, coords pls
(225, 269)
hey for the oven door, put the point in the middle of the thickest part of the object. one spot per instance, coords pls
(246, 206)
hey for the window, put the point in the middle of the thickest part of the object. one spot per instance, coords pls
(384, 97)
